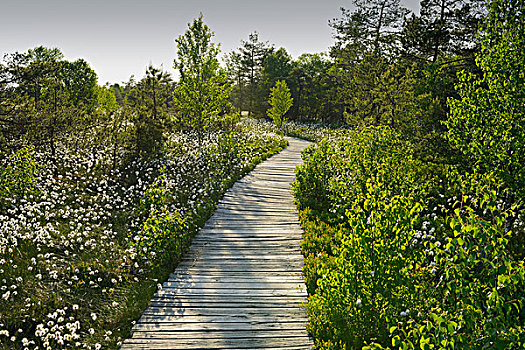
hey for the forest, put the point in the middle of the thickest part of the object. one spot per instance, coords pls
(411, 197)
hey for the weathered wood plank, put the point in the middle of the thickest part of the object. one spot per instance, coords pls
(231, 326)
(246, 334)
(235, 343)
(251, 285)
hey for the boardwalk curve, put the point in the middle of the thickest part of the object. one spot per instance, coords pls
(240, 286)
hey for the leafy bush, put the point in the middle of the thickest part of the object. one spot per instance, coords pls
(18, 174)
(404, 254)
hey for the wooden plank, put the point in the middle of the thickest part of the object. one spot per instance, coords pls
(251, 193)
(252, 267)
(180, 273)
(244, 257)
(227, 253)
(247, 224)
(259, 199)
(212, 239)
(223, 311)
(255, 218)
(276, 291)
(256, 236)
(294, 245)
(261, 189)
(235, 299)
(235, 279)
(260, 212)
(244, 334)
(255, 285)
(294, 228)
(236, 343)
(217, 326)
(256, 203)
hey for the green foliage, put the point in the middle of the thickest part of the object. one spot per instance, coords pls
(403, 254)
(162, 232)
(203, 90)
(43, 97)
(280, 102)
(106, 100)
(443, 28)
(313, 88)
(17, 176)
(487, 121)
(378, 93)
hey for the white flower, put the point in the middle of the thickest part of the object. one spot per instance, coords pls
(358, 303)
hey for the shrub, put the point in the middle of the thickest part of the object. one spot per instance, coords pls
(404, 254)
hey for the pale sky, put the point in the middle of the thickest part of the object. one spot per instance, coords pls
(121, 37)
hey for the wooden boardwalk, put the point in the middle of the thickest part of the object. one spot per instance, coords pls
(240, 285)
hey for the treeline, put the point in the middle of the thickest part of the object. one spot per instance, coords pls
(388, 66)
(42, 95)
(45, 100)
(256, 66)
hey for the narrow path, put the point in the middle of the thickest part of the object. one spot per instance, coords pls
(240, 285)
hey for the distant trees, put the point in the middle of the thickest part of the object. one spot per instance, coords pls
(203, 89)
(245, 68)
(311, 86)
(253, 55)
(43, 96)
(444, 28)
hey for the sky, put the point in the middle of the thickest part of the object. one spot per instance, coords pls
(119, 38)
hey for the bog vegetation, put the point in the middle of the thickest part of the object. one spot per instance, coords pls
(102, 188)
(411, 201)
(410, 248)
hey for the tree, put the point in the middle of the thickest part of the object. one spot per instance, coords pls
(373, 26)
(277, 66)
(236, 74)
(487, 121)
(79, 82)
(444, 28)
(312, 87)
(253, 57)
(203, 89)
(280, 102)
(149, 102)
(44, 95)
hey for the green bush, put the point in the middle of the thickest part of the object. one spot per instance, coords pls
(17, 176)
(404, 254)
